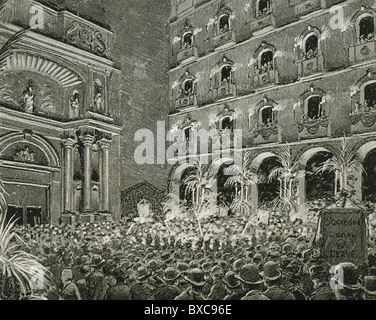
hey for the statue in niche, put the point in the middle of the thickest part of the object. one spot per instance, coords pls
(98, 102)
(28, 97)
(75, 104)
(98, 96)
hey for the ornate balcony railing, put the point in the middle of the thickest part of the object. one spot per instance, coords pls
(314, 128)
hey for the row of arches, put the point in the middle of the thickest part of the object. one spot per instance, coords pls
(323, 185)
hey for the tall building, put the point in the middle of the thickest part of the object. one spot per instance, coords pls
(295, 71)
(75, 85)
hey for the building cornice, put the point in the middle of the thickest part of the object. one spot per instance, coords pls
(50, 45)
(57, 126)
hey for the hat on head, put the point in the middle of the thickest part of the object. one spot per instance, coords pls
(194, 264)
(249, 274)
(370, 285)
(238, 264)
(196, 277)
(271, 271)
(230, 280)
(346, 274)
(170, 274)
(182, 267)
(153, 264)
(206, 266)
(142, 273)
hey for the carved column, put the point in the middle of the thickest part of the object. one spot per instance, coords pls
(87, 141)
(105, 176)
(68, 144)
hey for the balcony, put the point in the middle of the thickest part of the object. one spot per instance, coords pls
(262, 77)
(224, 39)
(186, 101)
(187, 55)
(363, 120)
(226, 90)
(314, 128)
(362, 51)
(269, 133)
(312, 63)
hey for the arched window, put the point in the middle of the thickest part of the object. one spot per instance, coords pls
(266, 116)
(188, 87)
(187, 40)
(370, 95)
(263, 7)
(266, 61)
(366, 29)
(226, 123)
(311, 46)
(226, 74)
(314, 107)
(224, 23)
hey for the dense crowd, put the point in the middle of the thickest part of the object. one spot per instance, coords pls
(127, 260)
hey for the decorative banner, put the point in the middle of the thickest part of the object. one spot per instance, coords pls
(343, 236)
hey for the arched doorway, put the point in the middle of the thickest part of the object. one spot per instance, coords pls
(28, 168)
(369, 177)
(225, 193)
(268, 189)
(319, 185)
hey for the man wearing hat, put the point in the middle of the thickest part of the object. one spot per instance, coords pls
(69, 289)
(120, 291)
(142, 290)
(347, 282)
(194, 292)
(369, 288)
(96, 281)
(233, 286)
(169, 290)
(218, 290)
(252, 283)
(273, 279)
(320, 278)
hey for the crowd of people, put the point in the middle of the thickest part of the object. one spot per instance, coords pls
(234, 260)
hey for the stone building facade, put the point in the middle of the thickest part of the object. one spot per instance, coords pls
(59, 140)
(295, 71)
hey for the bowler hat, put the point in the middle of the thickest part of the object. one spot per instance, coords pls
(238, 264)
(182, 267)
(196, 277)
(142, 273)
(271, 271)
(170, 274)
(249, 274)
(230, 280)
(370, 285)
(346, 274)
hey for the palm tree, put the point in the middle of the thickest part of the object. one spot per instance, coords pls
(286, 174)
(196, 183)
(344, 164)
(242, 177)
(19, 270)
